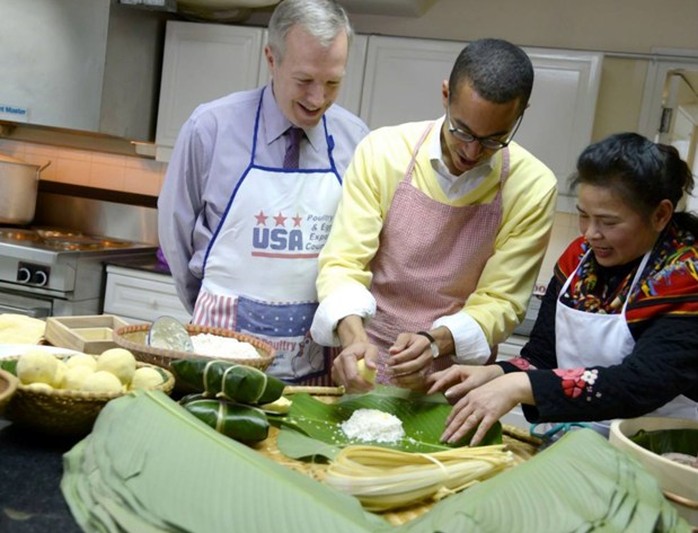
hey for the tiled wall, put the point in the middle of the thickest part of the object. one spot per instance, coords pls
(144, 176)
(91, 169)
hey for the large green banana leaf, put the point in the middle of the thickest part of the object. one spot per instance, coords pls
(149, 466)
(423, 418)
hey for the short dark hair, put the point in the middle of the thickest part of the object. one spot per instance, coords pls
(641, 172)
(497, 70)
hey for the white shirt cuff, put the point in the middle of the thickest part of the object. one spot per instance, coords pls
(344, 301)
(470, 342)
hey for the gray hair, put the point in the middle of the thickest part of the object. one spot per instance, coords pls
(497, 70)
(323, 19)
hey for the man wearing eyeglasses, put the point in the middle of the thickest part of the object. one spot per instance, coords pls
(440, 232)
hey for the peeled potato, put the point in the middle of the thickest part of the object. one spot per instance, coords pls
(119, 362)
(58, 376)
(37, 366)
(75, 376)
(368, 374)
(39, 387)
(146, 377)
(82, 359)
(102, 381)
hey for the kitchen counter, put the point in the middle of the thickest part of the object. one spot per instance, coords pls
(31, 468)
(145, 263)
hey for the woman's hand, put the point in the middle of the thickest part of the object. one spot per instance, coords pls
(481, 407)
(457, 380)
(345, 371)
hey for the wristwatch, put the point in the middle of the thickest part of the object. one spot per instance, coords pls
(432, 343)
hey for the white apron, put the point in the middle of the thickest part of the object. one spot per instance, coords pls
(261, 265)
(585, 339)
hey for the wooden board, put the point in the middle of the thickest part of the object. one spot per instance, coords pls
(519, 442)
(89, 334)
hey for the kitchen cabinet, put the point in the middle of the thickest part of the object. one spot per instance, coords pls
(402, 82)
(86, 65)
(203, 62)
(141, 296)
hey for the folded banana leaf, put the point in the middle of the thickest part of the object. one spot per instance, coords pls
(237, 383)
(668, 440)
(149, 466)
(423, 419)
(240, 422)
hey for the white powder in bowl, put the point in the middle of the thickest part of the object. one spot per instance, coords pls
(223, 347)
(372, 425)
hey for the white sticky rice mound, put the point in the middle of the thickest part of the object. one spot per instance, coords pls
(223, 347)
(372, 425)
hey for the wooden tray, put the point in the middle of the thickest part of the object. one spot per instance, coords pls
(91, 334)
(522, 445)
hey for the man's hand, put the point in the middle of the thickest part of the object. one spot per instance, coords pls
(410, 361)
(345, 371)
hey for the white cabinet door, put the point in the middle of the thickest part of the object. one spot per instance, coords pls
(140, 296)
(558, 123)
(403, 79)
(202, 62)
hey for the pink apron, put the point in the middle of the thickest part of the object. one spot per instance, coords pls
(430, 259)
(261, 265)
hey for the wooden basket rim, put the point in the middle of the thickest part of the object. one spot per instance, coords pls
(192, 329)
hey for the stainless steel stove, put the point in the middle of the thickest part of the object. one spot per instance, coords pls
(53, 271)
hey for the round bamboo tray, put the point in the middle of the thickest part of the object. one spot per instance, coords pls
(65, 412)
(135, 339)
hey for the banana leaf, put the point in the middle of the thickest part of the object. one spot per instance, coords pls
(237, 383)
(240, 422)
(668, 440)
(423, 418)
(149, 465)
(579, 483)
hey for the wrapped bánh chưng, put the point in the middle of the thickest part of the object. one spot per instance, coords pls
(243, 423)
(237, 383)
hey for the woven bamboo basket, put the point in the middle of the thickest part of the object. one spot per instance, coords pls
(135, 339)
(8, 386)
(64, 412)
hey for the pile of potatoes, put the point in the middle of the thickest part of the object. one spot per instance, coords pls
(112, 371)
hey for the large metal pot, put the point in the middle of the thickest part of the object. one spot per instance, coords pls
(19, 182)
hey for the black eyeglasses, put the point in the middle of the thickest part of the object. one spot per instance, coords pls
(486, 142)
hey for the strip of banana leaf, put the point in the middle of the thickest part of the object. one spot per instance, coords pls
(149, 465)
(423, 419)
(238, 383)
(240, 422)
(579, 483)
(668, 440)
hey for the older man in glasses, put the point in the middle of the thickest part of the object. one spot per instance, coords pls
(440, 232)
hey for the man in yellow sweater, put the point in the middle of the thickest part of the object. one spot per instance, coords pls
(440, 231)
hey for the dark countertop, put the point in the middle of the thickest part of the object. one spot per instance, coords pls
(145, 263)
(31, 468)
